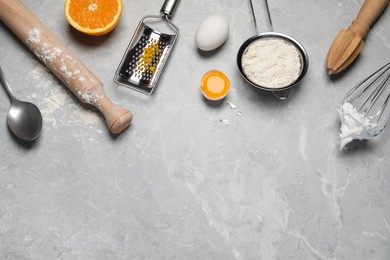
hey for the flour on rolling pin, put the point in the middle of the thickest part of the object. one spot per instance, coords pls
(50, 54)
(62, 62)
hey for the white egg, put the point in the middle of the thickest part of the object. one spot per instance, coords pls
(212, 33)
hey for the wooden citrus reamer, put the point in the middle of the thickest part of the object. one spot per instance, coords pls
(60, 60)
(349, 43)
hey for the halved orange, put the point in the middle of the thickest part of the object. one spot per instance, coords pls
(93, 17)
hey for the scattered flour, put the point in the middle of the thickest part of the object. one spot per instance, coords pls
(225, 121)
(272, 63)
(48, 54)
(82, 78)
(34, 36)
(89, 97)
(65, 71)
(53, 100)
(232, 106)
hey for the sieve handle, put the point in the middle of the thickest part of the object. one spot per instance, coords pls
(169, 7)
(271, 27)
(281, 95)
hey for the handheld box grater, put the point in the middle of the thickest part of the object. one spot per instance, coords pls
(148, 50)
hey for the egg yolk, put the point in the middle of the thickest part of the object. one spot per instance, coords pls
(215, 85)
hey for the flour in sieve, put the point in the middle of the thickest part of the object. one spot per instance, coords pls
(272, 63)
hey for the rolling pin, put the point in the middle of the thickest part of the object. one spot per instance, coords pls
(349, 43)
(62, 62)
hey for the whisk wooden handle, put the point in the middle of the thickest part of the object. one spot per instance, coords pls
(368, 14)
(62, 62)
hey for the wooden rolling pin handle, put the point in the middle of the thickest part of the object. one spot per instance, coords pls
(62, 62)
(368, 14)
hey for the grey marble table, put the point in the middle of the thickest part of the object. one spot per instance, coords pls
(180, 183)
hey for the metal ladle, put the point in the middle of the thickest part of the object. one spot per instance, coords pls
(24, 119)
(304, 59)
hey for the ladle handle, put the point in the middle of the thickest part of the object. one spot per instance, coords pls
(7, 87)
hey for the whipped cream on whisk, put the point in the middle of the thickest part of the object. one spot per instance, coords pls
(354, 125)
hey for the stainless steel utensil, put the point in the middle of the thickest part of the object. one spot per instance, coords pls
(371, 97)
(283, 92)
(148, 50)
(24, 118)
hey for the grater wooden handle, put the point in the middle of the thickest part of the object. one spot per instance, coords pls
(62, 62)
(369, 13)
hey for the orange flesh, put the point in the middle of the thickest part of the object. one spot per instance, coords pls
(215, 85)
(93, 14)
(95, 17)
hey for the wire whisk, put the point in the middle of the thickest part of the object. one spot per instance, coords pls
(371, 98)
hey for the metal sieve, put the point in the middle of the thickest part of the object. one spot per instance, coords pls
(280, 92)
